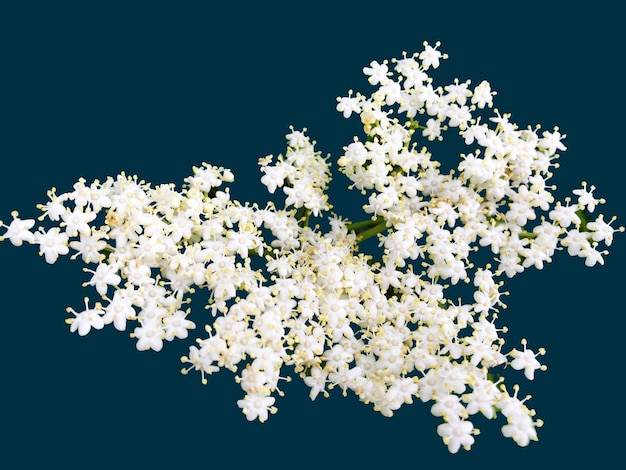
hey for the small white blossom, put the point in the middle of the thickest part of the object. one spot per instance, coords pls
(52, 243)
(18, 231)
(176, 325)
(149, 336)
(602, 231)
(77, 221)
(456, 433)
(257, 406)
(89, 318)
(119, 310)
(527, 360)
(376, 72)
(104, 276)
(430, 56)
(586, 198)
(482, 95)
(348, 105)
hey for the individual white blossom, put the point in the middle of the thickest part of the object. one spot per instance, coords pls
(348, 105)
(526, 360)
(18, 231)
(87, 319)
(586, 198)
(119, 310)
(377, 73)
(89, 247)
(602, 231)
(149, 336)
(257, 406)
(52, 243)
(456, 433)
(104, 276)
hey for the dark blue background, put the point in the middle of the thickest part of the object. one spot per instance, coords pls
(91, 91)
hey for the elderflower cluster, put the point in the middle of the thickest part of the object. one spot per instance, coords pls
(285, 295)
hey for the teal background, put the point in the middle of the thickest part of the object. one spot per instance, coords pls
(153, 90)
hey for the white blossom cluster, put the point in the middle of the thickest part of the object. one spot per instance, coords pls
(288, 296)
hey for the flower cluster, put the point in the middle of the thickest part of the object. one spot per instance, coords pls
(286, 295)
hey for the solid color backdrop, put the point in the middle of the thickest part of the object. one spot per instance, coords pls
(89, 91)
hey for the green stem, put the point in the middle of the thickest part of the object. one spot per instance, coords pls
(415, 125)
(358, 227)
(303, 217)
(370, 232)
(584, 220)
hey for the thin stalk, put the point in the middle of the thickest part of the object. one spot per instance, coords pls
(303, 217)
(371, 232)
(358, 227)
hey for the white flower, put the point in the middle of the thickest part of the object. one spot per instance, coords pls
(410, 68)
(119, 310)
(602, 231)
(95, 195)
(551, 141)
(89, 247)
(208, 177)
(84, 321)
(564, 215)
(449, 406)
(458, 92)
(346, 377)
(55, 207)
(284, 290)
(297, 139)
(430, 56)
(274, 176)
(585, 197)
(411, 101)
(433, 129)
(482, 398)
(376, 72)
(576, 242)
(257, 406)
(482, 95)
(176, 325)
(18, 231)
(52, 243)
(348, 105)
(458, 116)
(203, 359)
(456, 433)
(150, 248)
(316, 380)
(77, 221)
(527, 360)
(149, 336)
(392, 92)
(521, 429)
(592, 255)
(104, 276)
